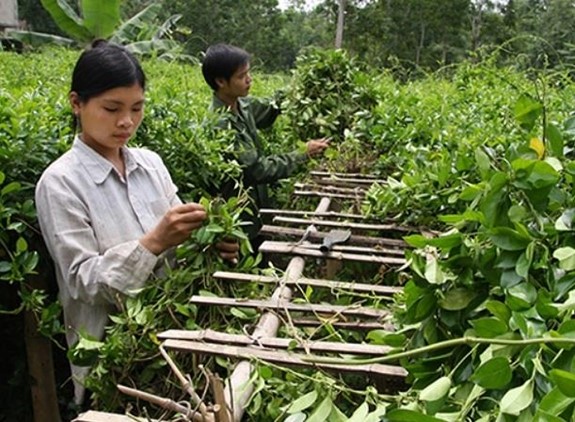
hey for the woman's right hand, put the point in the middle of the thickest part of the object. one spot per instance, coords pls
(174, 227)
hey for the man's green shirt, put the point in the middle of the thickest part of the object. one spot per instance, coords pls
(258, 170)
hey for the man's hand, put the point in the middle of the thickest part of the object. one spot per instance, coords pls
(317, 146)
(229, 250)
(174, 227)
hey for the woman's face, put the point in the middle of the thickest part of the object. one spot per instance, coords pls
(110, 119)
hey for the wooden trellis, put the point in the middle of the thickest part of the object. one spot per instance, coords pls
(369, 241)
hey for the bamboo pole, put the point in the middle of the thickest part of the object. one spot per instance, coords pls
(238, 389)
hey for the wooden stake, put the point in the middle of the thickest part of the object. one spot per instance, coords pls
(162, 402)
(188, 387)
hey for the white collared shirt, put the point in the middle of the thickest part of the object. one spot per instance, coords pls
(91, 219)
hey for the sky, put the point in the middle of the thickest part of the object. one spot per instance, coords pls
(283, 4)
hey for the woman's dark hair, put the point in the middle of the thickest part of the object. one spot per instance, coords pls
(105, 66)
(222, 61)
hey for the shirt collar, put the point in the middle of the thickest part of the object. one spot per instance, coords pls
(218, 104)
(97, 167)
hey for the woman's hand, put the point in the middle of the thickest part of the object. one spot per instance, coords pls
(174, 227)
(229, 250)
(317, 146)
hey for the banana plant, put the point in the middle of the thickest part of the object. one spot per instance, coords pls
(99, 19)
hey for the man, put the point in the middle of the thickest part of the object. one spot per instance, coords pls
(226, 69)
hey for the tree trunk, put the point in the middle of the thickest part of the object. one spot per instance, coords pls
(39, 348)
(340, 21)
(41, 371)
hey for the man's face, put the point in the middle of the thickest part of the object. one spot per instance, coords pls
(238, 85)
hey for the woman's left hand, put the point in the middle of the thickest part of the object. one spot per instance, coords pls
(229, 250)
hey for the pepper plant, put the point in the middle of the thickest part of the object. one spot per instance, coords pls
(487, 318)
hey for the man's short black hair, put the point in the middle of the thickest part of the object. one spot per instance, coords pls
(222, 61)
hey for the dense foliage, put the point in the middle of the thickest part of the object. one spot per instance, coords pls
(406, 35)
(484, 323)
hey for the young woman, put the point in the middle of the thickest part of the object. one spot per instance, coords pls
(109, 214)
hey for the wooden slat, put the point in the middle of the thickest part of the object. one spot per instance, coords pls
(343, 175)
(357, 311)
(330, 214)
(347, 325)
(346, 224)
(290, 248)
(94, 416)
(280, 357)
(315, 235)
(326, 195)
(328, 188)
(331, 284)
(343, 247)
(347, 182)
(211, 336)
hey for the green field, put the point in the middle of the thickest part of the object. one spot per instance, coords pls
(481, 154)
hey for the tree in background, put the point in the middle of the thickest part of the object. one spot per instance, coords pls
(403, 34)
(37, 18)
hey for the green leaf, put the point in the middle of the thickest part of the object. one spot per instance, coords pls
(337, 415)
(499, 309)
(526, 111)
(446, 242)
(565, 222)
(5, 266)
(405, 415)
(525, 261)
(542, 416)
(303, 402)
(67, 19)
(387, 338)
(322, 412)
(101, 18)
(555, 139)
(496, 202)
(457, 299)
(496, 373)
(360, 413)
(434, 274)
(521, 296)
(508, 239)
(483, 162)
(566, 257)
(489, 327)
(21, 245)
(10, 187)
(555, 402)
(564, 380)
(416, 241)
(569, 126)
(422, 307)
(436, 390)
(469, 193)
(517, 399)
(296, 417)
